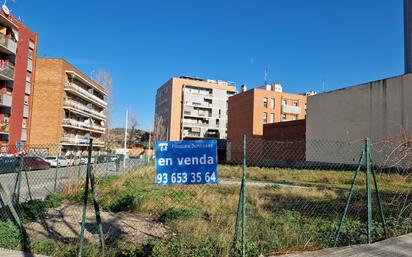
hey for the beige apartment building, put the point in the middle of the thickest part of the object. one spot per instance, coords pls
(251, 109)
(192, 108)
(68, 108)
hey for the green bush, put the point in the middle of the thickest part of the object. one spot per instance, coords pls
(178, 214)
(53, 201)
(125, 203)
(47, 247)
(31, 211)
(9, 235)
(34, 210)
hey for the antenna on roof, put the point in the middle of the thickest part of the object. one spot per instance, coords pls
(266, 76)
(5, 8)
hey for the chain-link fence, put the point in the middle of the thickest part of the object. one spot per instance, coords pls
(295, 195)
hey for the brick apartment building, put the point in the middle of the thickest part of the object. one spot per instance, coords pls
(257, 113)
(192, 108)
(68, 108)
(251, 109)
(18, 52)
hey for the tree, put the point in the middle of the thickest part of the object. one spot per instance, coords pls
(133, 135)
(159, 130)
(104, 79)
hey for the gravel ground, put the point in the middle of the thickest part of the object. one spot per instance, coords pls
(64, 223)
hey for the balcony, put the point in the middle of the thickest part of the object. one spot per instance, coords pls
(78, 141)
(75, 89)
(290, 109)
(195, 124)
(82, 126)
(7, 45)
(200, 105)
(84, 110)
(197, 93)
(73, 140)
(6, 100)
(4, 128)
(6, 71)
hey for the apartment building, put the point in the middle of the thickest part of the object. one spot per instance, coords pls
(251, 109)
(18, 51)
(68, 108)
(192, 108)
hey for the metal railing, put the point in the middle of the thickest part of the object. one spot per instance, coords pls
(82, 125)
(7, 71)
(6, 100)
(86, 94)
(83, 108)
(8, 43)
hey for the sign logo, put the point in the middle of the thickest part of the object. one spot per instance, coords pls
(186, 162)
(163, 146)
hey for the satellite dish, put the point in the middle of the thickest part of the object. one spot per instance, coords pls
(5, 9)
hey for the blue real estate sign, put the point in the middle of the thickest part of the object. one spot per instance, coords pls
(186, 162)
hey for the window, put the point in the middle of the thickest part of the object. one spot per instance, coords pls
(30, 54)
(296, 103)
(26, 99)
(272, 103)
(272, 118)
(265, 102)
(217, 122)
(284, 117)
(31, 44)
(265, 117)
(28, 76)
(24, 124)
(283, 101)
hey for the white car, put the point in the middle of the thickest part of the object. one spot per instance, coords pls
(83, 160)
(57, 161)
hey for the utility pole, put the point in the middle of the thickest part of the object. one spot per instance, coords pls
(125, 140)
(150, 139)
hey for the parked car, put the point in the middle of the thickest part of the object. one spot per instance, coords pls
(58, 161)
(34, 163)
(83, 160)
(103, 158)
(9, 164)
(74, 161)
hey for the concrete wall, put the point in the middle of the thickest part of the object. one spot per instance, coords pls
(379, 110)
(285, 131)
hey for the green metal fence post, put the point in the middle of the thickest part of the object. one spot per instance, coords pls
(17, 200)
(79, 170)
(97, 210)
(239, 208)
(352, 188)
(378, 198)
(28, 185)
(55, 174)
(244, 199)
(368, 188)
(86, 193)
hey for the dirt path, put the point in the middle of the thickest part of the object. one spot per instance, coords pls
(63, 224)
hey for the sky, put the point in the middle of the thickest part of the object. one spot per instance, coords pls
(318, 45)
